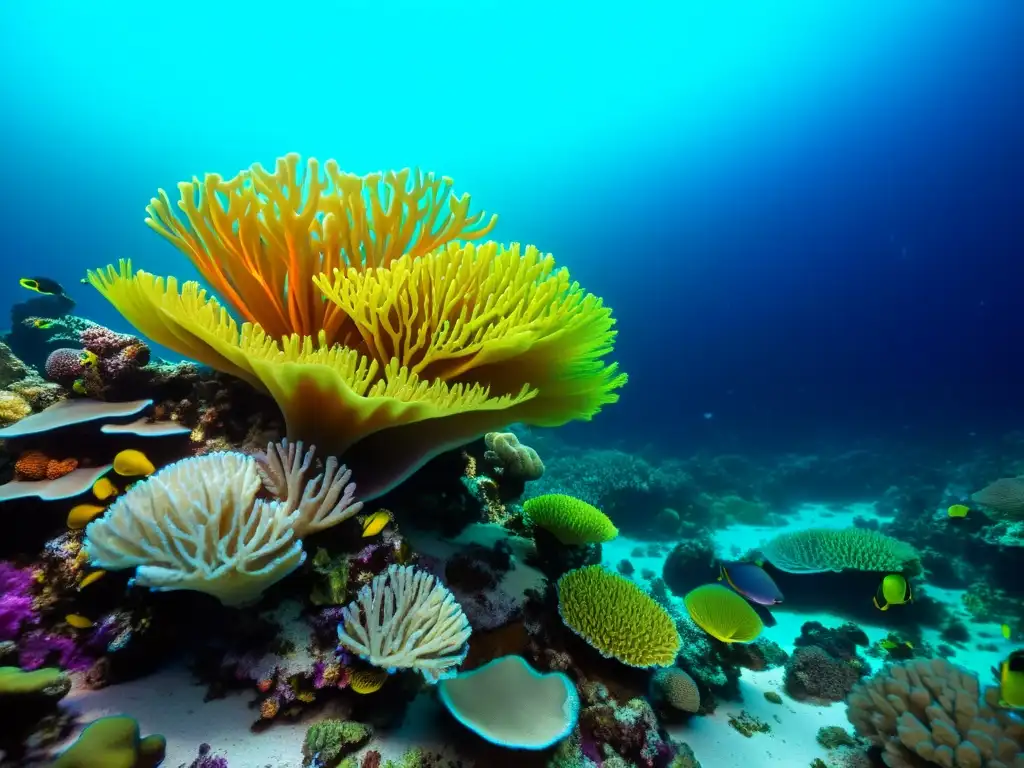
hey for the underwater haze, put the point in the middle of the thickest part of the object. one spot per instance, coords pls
(806, 216)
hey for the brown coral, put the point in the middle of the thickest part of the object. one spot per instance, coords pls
(32, 465)
(930, 712)
(515, 459)
(57, 468)
(1005, 497)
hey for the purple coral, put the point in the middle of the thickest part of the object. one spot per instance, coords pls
(39, 649)
(207, 759)
(16, 603)
(104, 342)
(64, 364)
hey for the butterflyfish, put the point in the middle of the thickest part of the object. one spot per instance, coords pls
(369, 681)
(374, 524)
(104, 489)
(78, 621)
(894, 590)
(43, 285)
(1011, 681)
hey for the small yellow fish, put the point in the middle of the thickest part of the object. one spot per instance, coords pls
(79, 387)
(81, 514)
(958, 510)
(888, 645)
(92, 578)
(894, 590)
(42, 324)
(104, 489)
(133, 463)
(1011, 681)
(78, 621)
(374, 524)
(89, 359)
(369, 681)
(1005, 629)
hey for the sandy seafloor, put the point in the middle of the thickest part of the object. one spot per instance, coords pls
(171, 702)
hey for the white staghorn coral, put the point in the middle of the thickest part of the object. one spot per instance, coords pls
(406, 619)
(198, 524)
(325, 501)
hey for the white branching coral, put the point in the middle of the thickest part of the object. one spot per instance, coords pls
(326, 500)
(406, 619)
(199, 524)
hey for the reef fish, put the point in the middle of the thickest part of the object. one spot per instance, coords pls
(91, 578)
(81, 515)
(894, 590)
(1006, 631)
(133, 463)
(104, 489)
(958, 510)
(374, 524)
(751, 581)
(1011, 681)
(78, 621)
(43, 285)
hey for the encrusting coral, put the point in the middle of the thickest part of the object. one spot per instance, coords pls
(406, 619)
(422, 344)
(931, 712)
(198, 524)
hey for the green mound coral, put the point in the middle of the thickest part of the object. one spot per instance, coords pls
(570, 520)
(27, 701)
(617, 618)
(816, 550)
(113, 742)
(330, 739)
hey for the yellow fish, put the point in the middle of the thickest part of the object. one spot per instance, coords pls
(92, 578)
(79, 387)
(369, 681)
(1011, 681)
(888, 645)
(104, 489)
(42, 324)
(374, 524)
(958, 510)
(1005, 629)
(132, 463)
(89, 359)
(78, 621)
(894, 590)
(81, 514)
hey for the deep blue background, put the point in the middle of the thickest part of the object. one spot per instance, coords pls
(808, 217)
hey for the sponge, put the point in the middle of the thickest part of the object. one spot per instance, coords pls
(570, 520)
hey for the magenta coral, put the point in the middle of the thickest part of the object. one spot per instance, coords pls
(40, 649)
(16, 603)
(64, 364)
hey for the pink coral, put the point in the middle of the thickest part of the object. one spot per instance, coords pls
(64, 364)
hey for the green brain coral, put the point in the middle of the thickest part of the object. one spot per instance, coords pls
(570, 520)
(816, 550)
(617, 618)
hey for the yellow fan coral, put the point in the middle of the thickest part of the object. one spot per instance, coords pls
(617, 618)
(723, 614)
(570, 520)
(411, 353)
(260, 237)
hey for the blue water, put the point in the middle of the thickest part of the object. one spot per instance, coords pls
(807, 216)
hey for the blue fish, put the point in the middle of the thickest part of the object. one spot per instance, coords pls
(751, 581)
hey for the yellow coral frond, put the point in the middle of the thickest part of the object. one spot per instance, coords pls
(260, 237)
(503, 316)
